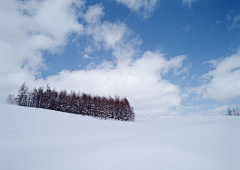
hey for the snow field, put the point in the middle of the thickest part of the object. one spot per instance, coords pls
(48, 140)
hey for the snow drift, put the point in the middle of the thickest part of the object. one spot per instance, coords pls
(49, 140)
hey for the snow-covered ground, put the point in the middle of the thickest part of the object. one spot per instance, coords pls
(36, 139)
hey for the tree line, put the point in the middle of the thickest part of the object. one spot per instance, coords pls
(77, 103)
(234, 112)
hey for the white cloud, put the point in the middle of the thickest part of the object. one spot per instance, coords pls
(188, 3)
(108, 33)
(94, 13)
(85, 56)
(141, 7)
(113, 36)
(30, 27)
(116, 37)
(213, 63)
(224, 81)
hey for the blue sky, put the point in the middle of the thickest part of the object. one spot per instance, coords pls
(177, 57)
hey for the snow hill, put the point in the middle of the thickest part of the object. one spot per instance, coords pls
(36, 139)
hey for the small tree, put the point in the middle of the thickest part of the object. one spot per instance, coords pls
(11, 99)
(22, 97)
(233, 112)
(236, 113)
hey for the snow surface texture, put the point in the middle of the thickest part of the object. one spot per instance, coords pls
(36, 139)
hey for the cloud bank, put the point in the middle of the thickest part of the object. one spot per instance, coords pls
(139, 80)
(31, 28)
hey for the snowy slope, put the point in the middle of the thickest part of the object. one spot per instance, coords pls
(36, 139)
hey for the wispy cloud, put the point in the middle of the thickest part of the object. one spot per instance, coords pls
(235, 22)
(223, 81)
(215, 24)
(88, 49)
(188, 3)
(142, 7)
(187, 28)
